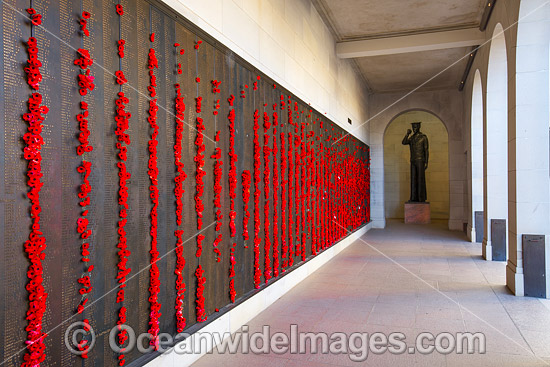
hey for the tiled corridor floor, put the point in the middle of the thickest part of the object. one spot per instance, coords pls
(446, 287)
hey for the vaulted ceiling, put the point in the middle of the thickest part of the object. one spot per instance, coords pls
(400, 45)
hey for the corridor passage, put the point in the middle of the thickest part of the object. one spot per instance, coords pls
(408, 279)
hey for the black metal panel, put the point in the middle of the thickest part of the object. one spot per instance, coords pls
(58, 39)
(498, 239)
(534, 266)
(3, 299)
(479, 226)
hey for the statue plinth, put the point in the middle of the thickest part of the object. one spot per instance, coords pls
(417, 213)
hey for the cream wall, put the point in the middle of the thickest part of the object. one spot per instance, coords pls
(288, 41)
(397, 165)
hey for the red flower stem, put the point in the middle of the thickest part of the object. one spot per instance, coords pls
(36, 243)
(284, 244)
(122, 122)
(154, 282)
(267, 239)
(257, 194)
(85, 83)
(275, 151)
(290, 201)
(178, 193)
(232, 195)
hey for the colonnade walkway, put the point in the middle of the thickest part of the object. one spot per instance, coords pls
(409, 279)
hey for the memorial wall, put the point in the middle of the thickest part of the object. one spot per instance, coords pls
(151, 178)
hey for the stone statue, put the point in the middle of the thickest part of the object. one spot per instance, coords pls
(418, 143)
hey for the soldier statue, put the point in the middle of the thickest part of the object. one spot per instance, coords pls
(418, 143)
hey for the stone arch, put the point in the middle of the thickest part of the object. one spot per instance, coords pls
(397, 166)
(447, 106)
(495, 144)
(475, 159)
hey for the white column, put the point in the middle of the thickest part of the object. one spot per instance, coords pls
(495, 165)
(529, 174)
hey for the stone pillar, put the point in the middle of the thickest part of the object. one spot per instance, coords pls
(529, 174)
(495, 165)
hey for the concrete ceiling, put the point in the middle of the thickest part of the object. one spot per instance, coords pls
(353, 20)
(405, 72)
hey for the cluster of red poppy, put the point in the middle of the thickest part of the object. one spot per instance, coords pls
(121, 44)
(122, 124)
(84, 23)
(36, 19)
(178, 192)
(317, 184)
(232, 195)
(275, 151)
(181, 176)
(290, 199)
(85, 83)
(232, 262)
(201, 311)
(216, 107)
(216, 86)
(246, 198)
(284, 246)
(257, 194)
(180, 284)
(302, 196)
(83, 59)
(154, 284)
(217, 197)
(34, 77)
(36, 244)
(120, 78)
(200, 173)
(267, 237)
(232, 172)
(313, 183)
(294, 143)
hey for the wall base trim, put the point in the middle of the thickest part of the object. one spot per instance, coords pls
(238, 316)
(487, 250)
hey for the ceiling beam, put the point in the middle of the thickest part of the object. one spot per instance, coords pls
(487, 14)
(412, 43)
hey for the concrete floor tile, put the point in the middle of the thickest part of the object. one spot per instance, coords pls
(493, 360)
(539, 341)
(362, 289)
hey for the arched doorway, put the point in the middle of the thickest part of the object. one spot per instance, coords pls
(397, 165)
(475, 179)
(495, 151)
